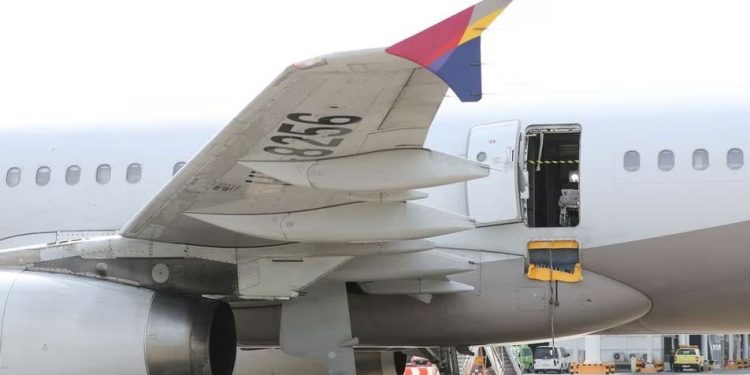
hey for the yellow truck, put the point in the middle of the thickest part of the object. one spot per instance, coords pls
(688, 357)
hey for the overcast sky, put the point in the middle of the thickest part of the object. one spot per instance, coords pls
(148, 61)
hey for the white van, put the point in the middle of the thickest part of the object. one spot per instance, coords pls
(547, 358)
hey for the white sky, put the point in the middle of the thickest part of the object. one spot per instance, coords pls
(148, 61)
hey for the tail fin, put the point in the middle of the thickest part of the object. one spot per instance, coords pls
(451, 48)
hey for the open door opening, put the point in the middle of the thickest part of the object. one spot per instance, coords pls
(551, 168)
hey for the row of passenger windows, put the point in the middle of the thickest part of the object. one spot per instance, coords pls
(73, 174)
(665, 161)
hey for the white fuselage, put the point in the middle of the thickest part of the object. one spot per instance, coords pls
(657, 224)
(33, 214)
(613, 200)
(628, 145)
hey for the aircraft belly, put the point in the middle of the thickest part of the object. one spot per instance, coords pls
(695, 279)
(509, 307)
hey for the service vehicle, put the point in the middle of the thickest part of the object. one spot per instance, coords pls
(551, 359)
(688, 357)
(421, 366)
(524, 356)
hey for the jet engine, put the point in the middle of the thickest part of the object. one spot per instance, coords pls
(60, 324)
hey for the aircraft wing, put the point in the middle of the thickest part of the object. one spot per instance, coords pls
(331, 149)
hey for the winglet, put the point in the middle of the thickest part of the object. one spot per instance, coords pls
(451, 48)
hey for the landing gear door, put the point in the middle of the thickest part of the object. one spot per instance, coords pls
(494, 199)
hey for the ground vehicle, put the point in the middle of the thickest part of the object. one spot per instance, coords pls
(524, 357)
(548, 358)
(688, 357)
(419, 366)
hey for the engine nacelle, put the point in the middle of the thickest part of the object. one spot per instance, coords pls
(59, 324)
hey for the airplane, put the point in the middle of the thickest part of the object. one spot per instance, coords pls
(371, 200)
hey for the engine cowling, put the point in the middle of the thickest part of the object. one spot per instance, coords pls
(60, 324)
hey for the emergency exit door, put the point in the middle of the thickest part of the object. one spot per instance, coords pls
(494, 199)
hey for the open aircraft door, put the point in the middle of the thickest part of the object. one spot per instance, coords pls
(494, 199)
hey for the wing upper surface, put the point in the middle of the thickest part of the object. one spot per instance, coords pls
(339, 105)
(261, 169)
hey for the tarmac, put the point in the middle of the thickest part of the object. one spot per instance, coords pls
(275, 362)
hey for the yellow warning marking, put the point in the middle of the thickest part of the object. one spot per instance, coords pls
(553, 162)
(557, 244)
(591, 369)
(547, 274)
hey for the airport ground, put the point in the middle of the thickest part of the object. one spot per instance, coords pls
(610, 348)
(265, 362)
(729, 372)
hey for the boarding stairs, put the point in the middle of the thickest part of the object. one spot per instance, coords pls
(509, 365)
(499, 360)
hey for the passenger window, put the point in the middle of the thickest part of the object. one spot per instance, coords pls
(735, 158)
(700, 159)
(666, 160)
(73, 175)
(103, 174)
(13, 177)
(631, 161)
(42, 176)
(177, 167)
(133, 174)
